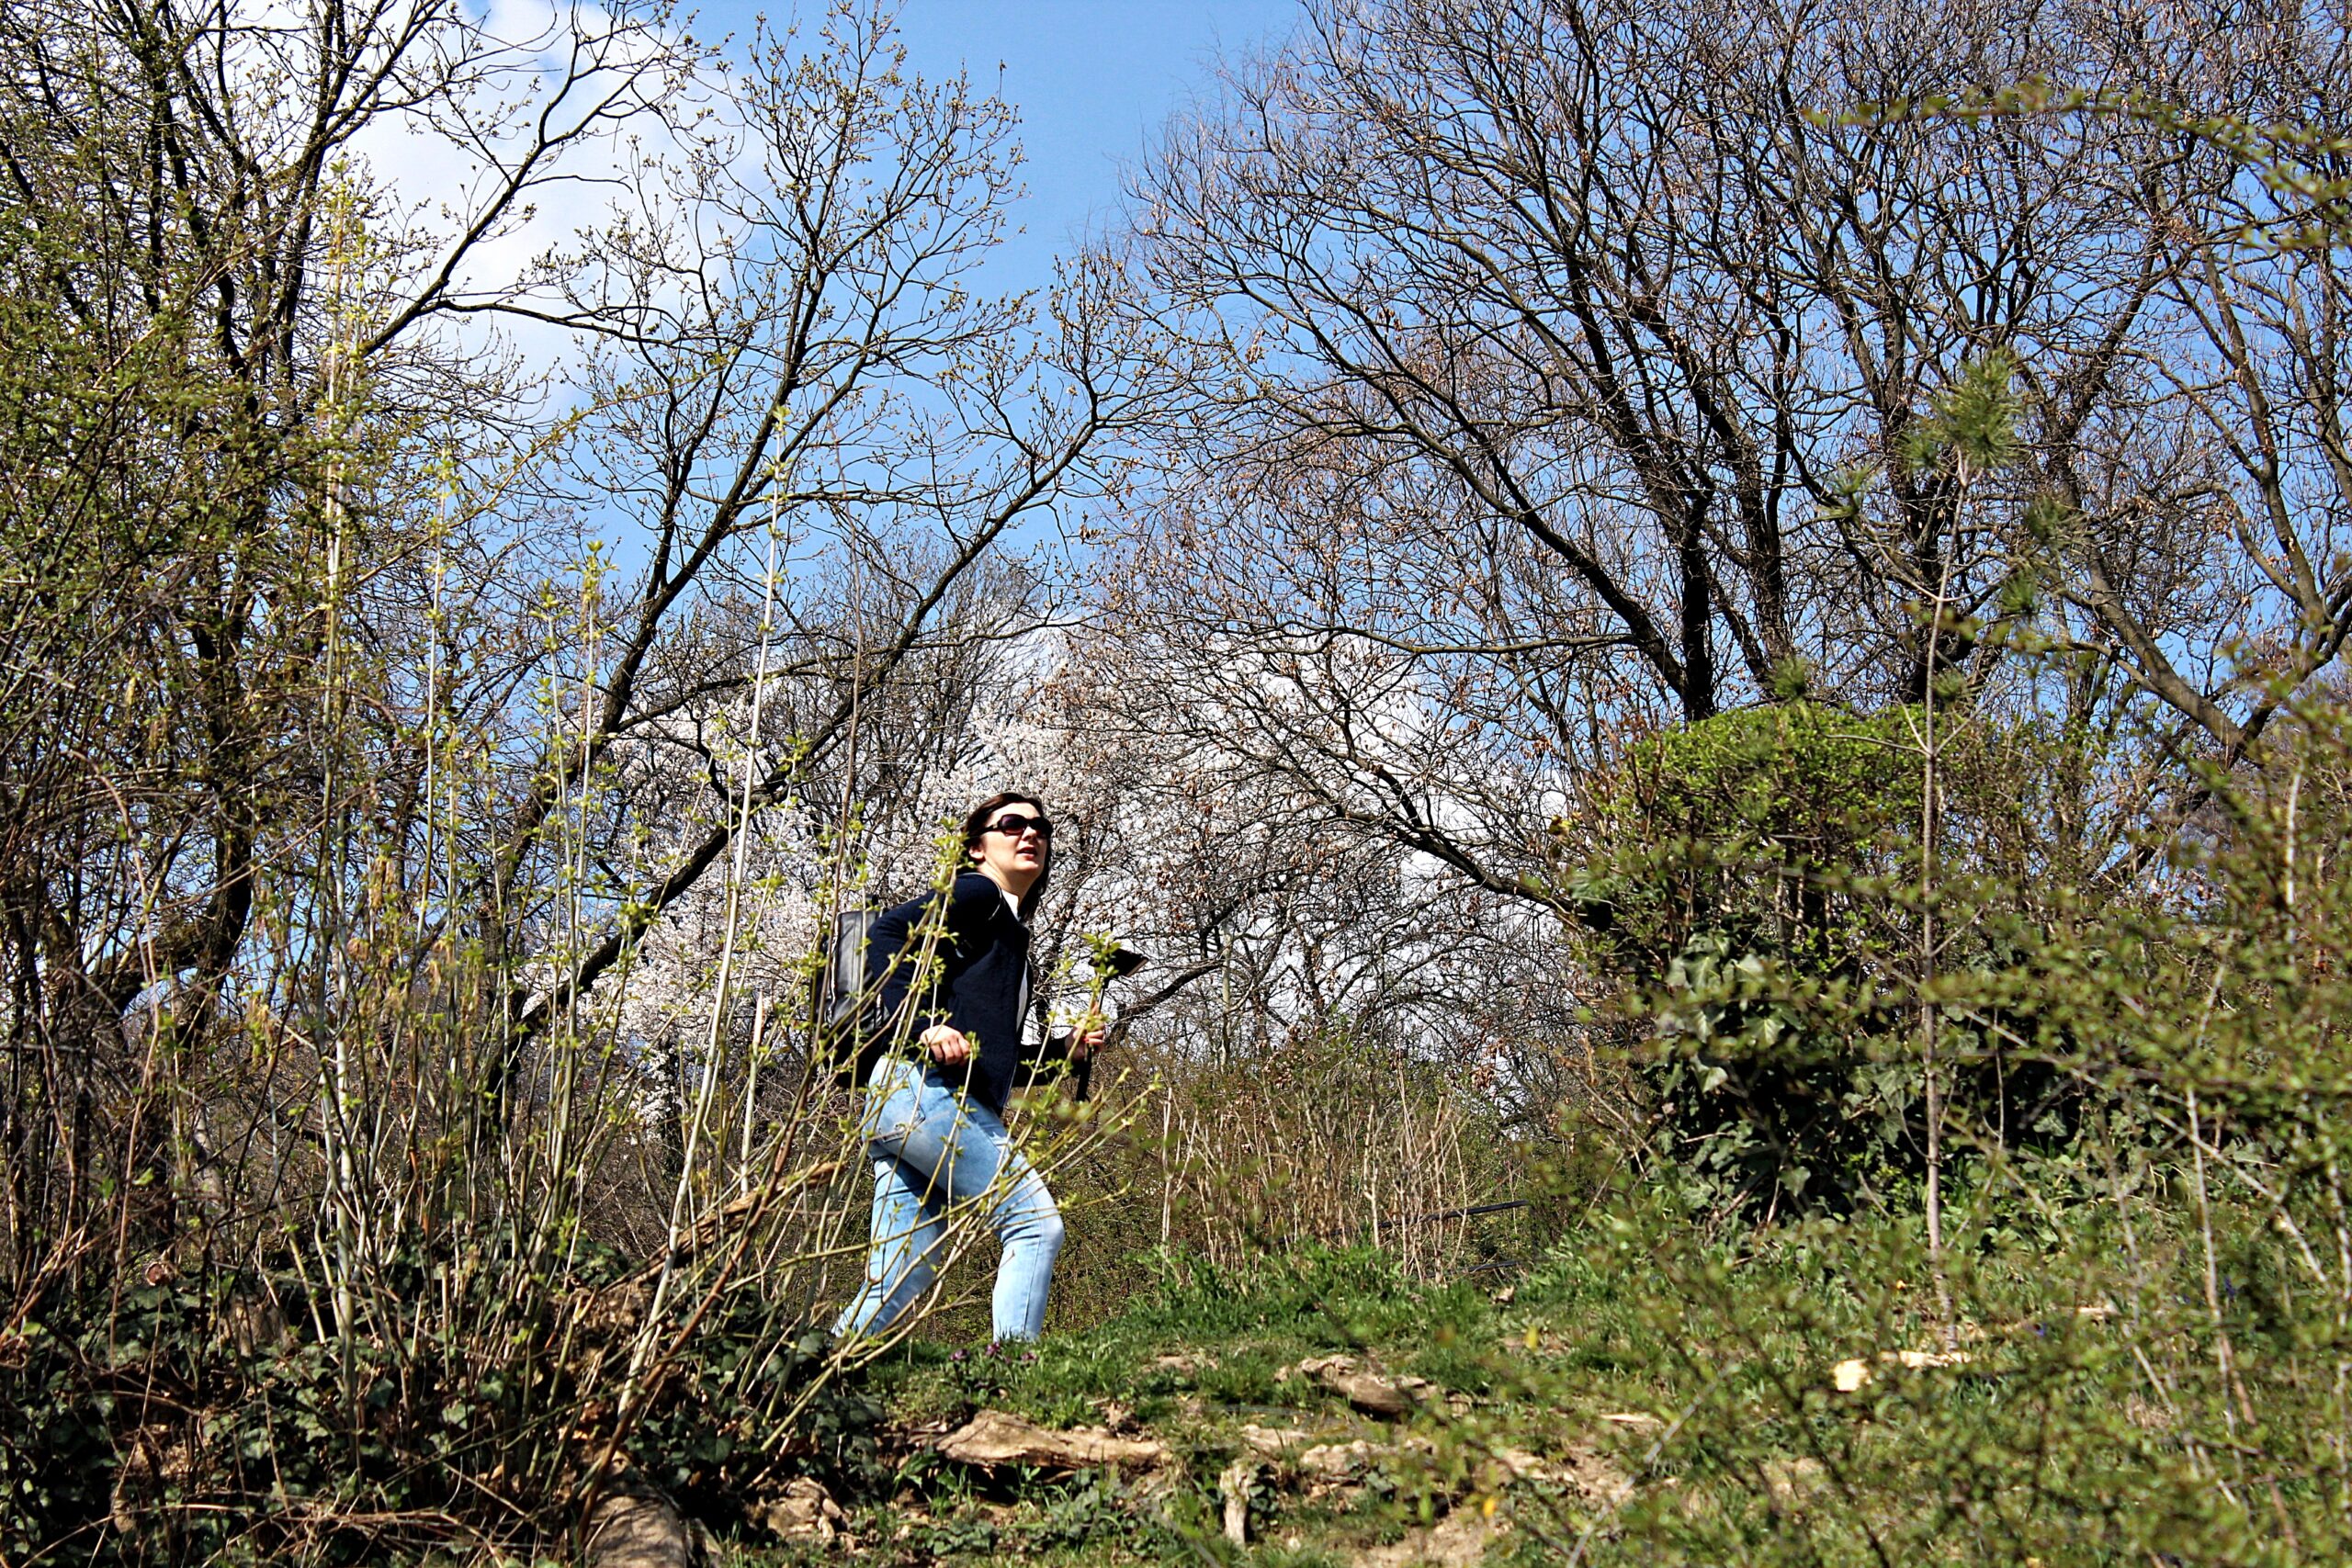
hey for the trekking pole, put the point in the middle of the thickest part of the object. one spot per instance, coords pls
(1111, 961)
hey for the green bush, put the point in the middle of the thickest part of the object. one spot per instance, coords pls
(1749, 891)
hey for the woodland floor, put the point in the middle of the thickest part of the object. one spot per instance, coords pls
(1326, 1413)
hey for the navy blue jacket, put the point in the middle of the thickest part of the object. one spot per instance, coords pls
(983, 954)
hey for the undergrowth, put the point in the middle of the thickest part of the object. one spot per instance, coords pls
(1790, 1396)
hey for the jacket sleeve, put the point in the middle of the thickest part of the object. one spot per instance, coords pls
(917, 948)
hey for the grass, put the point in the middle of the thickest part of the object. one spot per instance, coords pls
(1703, 1375)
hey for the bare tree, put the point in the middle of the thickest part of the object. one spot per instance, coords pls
(1558, 346)
(2239, 442)
(220, 291)
(803, 415)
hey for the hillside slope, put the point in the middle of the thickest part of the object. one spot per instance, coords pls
(1633, 1399)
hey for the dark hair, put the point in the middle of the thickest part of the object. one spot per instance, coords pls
(976, 826)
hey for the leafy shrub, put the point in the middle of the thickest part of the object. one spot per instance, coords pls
(1747, 889)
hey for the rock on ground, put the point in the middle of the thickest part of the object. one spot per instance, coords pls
(993, 1437)
(804, 1511)
(1457, 1540)
(1371, 1392)
(635, 1527)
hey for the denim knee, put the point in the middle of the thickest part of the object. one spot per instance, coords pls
(1042, 1229)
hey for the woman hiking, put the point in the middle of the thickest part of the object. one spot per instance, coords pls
(934, 1116)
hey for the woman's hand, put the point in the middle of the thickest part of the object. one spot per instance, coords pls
(948, 1046)
(1088, 1038)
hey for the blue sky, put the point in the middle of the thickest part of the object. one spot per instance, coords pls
(1093, 80)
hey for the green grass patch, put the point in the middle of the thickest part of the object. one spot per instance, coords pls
(2067, 1407)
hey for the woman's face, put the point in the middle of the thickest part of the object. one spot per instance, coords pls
(1013, 860)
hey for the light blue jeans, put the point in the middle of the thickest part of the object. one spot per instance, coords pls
(933, 1152)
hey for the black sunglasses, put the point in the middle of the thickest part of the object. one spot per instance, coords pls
(1012, 826)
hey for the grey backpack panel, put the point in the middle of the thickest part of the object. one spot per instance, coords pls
(848, 1040)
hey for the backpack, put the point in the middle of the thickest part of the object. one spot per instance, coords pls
(846, 1036)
